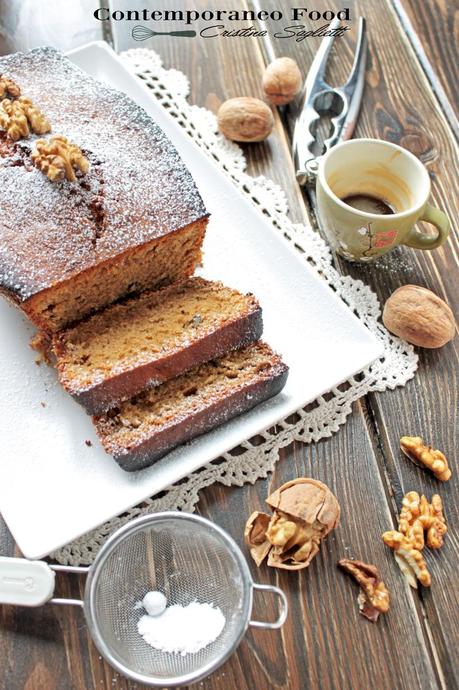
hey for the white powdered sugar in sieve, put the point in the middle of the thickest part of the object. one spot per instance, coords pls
(182, 629)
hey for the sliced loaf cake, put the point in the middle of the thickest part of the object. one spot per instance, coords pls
(146, 340)
(143, 429)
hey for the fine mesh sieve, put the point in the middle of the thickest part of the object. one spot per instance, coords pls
(184, 556)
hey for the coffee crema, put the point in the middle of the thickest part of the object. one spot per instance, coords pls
(369, 204)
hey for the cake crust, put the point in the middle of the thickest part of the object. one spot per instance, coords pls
(154, 448)
(136, 192)
(234, 321)
(142, 447)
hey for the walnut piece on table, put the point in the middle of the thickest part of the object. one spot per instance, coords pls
(420, 523)
(304, 512)
(374, 596)
(58, 159)
(409, 559)
(19, 117)
(425, 456)
(433, 521)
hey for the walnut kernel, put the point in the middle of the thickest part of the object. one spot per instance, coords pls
(419, 316)
(282, 81)
(409, 559)
(58, 159)
(245, 119)
(8, 88)
(18, 117)
(417, 518)
(373, 597)
(425, 456)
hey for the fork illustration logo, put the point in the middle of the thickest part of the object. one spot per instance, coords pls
(27, 583)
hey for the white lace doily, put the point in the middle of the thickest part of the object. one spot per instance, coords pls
(319, 419)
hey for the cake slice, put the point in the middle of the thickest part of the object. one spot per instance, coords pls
(146, 340)
(143, 429)
(135, 221)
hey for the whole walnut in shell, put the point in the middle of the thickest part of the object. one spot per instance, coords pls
(245, 119)
(418, 316)
(282, 81)
(304, 512)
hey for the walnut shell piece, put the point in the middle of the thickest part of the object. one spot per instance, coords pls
(255, 536)
(245, 119)
(8, 88)
(304, 512)
(419, 316)
(425, 456)
(309, 501)
(18, 117)
(373, 597)
(282, 81)
(58, 159)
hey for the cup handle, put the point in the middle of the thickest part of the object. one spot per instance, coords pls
(283, 608)
(419, 240)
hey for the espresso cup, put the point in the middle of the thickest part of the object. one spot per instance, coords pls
(385, 171)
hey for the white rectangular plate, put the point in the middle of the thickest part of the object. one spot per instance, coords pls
(54, 486)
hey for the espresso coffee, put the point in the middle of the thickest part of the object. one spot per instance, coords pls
(369, 204)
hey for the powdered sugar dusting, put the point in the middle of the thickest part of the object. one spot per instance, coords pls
(183, 629)
(137, 189)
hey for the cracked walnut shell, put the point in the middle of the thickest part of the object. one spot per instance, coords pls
(18, 117)
(419, 316)
(425, 456)
(373, 597)
(255, 536)
(8, 88)
(58, 159)
(304, 512)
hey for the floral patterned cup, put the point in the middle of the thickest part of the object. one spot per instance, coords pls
(384, 171)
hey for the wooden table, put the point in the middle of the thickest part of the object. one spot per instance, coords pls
(409, 99)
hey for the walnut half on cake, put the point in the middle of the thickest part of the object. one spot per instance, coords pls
(135, 221)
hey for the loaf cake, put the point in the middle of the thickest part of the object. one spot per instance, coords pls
(146, 340)
(135, 221)
(140, 431)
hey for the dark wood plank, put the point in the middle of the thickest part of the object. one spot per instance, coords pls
(433, 29)
(428, 405)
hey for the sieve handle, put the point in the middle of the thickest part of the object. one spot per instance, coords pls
(69, 569)
(31, 583)
(283, 608)
(25, 583)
